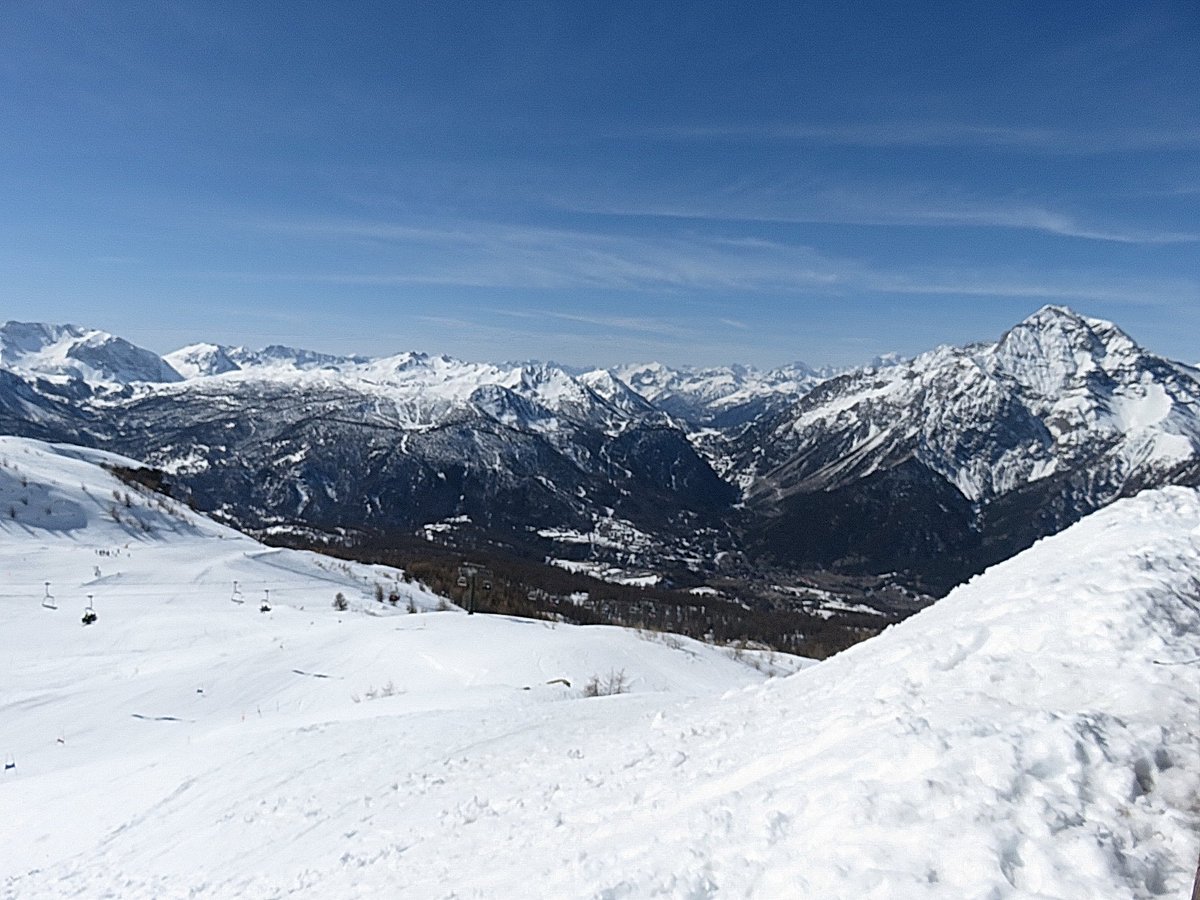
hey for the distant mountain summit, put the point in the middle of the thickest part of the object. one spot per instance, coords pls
(74, 352)
(718, 396)
(202, 360)
(966, 451)
(207, 360)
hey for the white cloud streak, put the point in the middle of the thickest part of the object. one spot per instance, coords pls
(936, 134)
(495, 256)
(870, 208)
(639, 324)
(488, 255)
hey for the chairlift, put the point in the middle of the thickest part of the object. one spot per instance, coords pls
(9, 762)
(89, 613)
(48, 600)
(462, 580)
(266, 604)
(236, 596)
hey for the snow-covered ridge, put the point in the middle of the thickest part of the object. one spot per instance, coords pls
(424, 390)
(74, 352)
(206, 360)
(63, 513)
(700, 395)
(640, 391)
(1035, 734)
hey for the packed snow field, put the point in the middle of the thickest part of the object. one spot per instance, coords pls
(1034, 734)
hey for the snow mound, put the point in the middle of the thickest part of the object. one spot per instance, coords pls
(1035, 734)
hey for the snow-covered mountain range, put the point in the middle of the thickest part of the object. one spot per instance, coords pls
(719, 397)
(932, 467)
(1034, 734)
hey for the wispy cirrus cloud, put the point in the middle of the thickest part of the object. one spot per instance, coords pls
(652, 325)
(934, 134)
(871, 207)
(493, 255)
(504, 256)
(1050, 287)
(998, 213)
(602, 341)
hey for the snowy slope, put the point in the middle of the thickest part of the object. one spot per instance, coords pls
(99, 718)
(1035, 734)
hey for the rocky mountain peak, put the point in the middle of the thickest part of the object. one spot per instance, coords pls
(202, 360)
(1053, 350)
(82, 353)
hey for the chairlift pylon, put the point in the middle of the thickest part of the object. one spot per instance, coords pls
(48, 599)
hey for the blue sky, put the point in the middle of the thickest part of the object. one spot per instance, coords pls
(601, 182)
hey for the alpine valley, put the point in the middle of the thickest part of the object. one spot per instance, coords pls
(861, 493)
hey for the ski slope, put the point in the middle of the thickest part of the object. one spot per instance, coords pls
(182, 671)
(1033, 735)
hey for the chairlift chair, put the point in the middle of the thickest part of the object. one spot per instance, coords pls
(48, 599)
(89, 612)
(236, 596)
